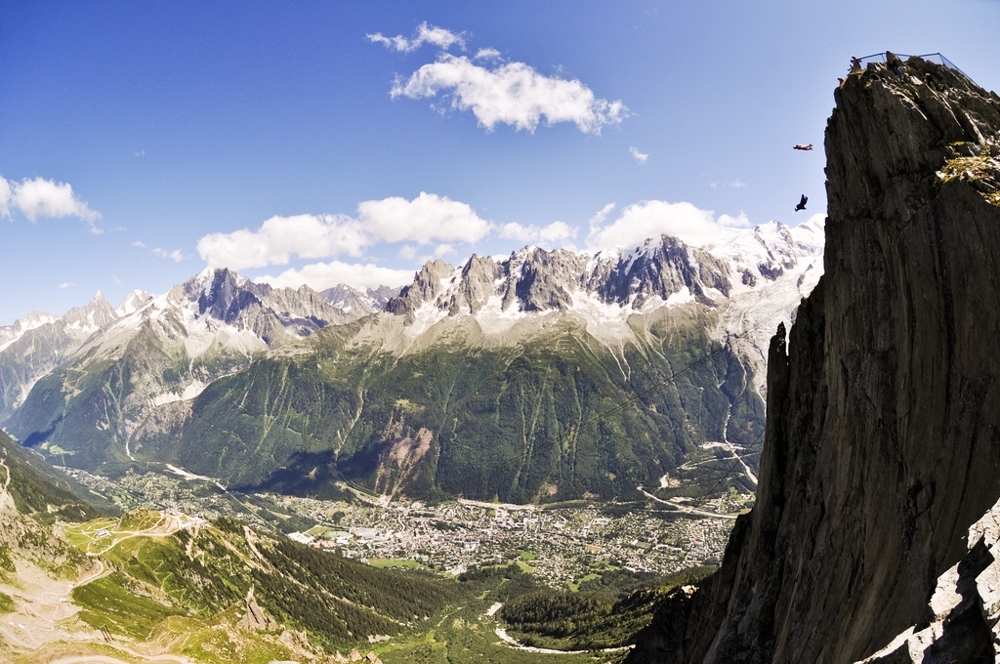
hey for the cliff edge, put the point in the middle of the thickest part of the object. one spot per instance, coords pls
(874, 536)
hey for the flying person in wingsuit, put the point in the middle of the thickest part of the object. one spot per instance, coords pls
(801, 146)
(802, 203)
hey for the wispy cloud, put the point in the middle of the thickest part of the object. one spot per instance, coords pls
(39, 197)
(427, 219)
(486, 54)
(512, 93)
(640, 157)
(140, 244)
(736, 184)
(176, 255)
(653, 218)
(601, 215)
(66, 284)
(425, 34)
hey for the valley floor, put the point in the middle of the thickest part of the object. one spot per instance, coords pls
(566, 543)
(542, 553)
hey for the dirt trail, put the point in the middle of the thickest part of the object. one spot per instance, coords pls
(45, 611)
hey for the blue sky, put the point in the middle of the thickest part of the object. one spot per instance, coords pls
(140, 142)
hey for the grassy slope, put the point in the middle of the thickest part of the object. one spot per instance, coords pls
(558, 416)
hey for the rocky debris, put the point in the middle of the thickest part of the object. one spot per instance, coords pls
(883, 432)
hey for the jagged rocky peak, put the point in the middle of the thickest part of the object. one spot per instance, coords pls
(85, 320)
(226, 294)
(661, 267)
(354, 302)
(427, 284)
(546, 279)
(476, 285)
(874, 535)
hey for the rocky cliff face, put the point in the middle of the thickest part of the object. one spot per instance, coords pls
(883, 434)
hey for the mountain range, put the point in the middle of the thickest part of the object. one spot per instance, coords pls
(540, 375)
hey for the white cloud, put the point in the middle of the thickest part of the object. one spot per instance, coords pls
(652, 218)
(39, 197)
(444, 250)
(640, 157)
(512, 93)
(140, 244)
(176, 255)
(321, 276)
(486, 54)
(557, 231)
(306, 235)
(548, 236)
(427, 218)
(426, 34)
(66, 284)
(407, 251)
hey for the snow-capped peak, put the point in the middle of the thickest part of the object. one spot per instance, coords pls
(134, 301)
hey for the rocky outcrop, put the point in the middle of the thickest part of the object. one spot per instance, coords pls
(255, 618)
(883, 433)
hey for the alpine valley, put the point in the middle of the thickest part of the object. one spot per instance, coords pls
(553, 446)
(537, 377)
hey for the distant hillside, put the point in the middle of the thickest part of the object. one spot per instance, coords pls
(37, 489)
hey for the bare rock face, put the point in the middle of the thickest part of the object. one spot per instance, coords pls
(867, 542)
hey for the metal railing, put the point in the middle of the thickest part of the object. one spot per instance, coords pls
(931, 57)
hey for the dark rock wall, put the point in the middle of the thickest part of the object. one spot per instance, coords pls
(883, 434)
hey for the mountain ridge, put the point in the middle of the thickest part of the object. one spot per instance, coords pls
(254, 386)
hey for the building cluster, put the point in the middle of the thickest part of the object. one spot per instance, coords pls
(559, 544)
